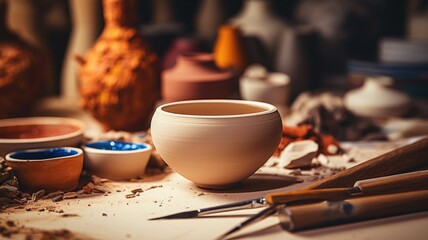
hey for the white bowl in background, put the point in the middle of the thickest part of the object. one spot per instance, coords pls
(117, 160)
(275, 89)
(375, 99)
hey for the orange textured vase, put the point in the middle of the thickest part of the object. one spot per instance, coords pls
(119, 78)
(229, 51)
(23, 72)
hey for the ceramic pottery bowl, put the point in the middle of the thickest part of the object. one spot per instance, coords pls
(51, 169)
(375, 99)
(117, 160)
(39, 132)
(216, 143)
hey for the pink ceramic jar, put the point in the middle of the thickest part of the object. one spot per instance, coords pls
(195, 76)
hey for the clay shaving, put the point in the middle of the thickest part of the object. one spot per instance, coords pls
(9, 188)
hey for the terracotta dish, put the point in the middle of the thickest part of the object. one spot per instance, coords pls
(39, 132)
(117, 160)
(216, 143)
(51, 169)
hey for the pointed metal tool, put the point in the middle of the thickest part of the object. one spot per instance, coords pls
(271, 210)
(389, 184)
(253, 203)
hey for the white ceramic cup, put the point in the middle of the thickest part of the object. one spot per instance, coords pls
(274, 89)
(216, 143)
(117, 160)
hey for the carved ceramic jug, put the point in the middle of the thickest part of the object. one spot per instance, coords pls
(119, 76)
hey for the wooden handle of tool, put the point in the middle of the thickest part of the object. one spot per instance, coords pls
(308, 216)
(404, 182)
(403, 159)
(300, 195)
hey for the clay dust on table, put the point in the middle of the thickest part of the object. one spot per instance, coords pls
(12, 229)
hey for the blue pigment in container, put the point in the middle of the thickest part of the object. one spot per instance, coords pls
(116, 146)
(43, 154)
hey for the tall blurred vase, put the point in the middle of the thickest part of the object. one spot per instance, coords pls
(86, 26)
(209, 17)
(163, 11)
(25, 19)
(258, 20)
(296, 57)
(23, 72)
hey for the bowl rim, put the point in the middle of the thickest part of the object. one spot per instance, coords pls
(88, 149)
(269, 108)
(38, 121)
(11, 159)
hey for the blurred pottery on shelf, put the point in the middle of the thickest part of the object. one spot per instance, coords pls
(25, 18)
(195, 76)
(229, 51)
(51, 169)
(376, 99)
(119, 76)
(258, 20)
(86, 20)
(24, 72)
(209, 17)
(403, 51)
(179, 47)
(163, 12)
(410, 78)
(216, 143)
(296, 57)
(257, 84)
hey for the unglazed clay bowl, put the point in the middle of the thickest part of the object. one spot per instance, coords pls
(51, 169)
(39, 132)
(216, 143)
(117, 160)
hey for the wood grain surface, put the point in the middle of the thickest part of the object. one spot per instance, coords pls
(404, 159)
